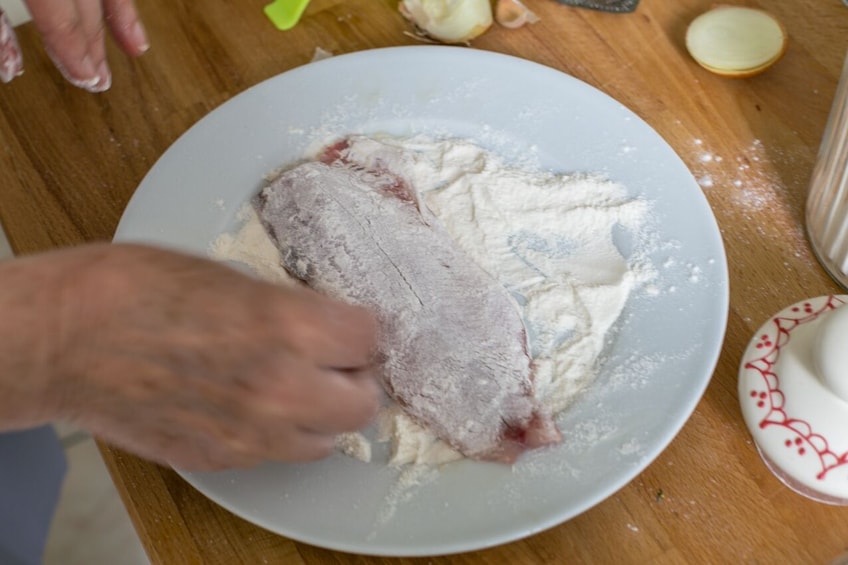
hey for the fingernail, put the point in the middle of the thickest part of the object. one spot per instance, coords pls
(96, 79)
(11, 62)
(139, 37)
(104, 78)
(87, 69)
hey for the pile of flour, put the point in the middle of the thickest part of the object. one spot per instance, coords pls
(549, 238)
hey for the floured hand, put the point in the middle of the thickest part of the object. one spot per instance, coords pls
(11, 62)
(73, 35)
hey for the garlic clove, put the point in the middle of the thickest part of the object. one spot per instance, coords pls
(514, 14)
(737, 42)
(449, 21)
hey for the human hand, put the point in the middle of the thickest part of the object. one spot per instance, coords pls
(187, 362)
(74, 37)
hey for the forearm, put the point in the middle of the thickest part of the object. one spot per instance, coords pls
(38, 303)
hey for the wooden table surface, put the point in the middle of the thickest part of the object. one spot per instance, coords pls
(69, 162)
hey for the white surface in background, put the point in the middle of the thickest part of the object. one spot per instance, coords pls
(16, 11)
(5, 250)
(91, 525)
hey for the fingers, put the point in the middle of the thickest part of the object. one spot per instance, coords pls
(318, 400)
(333, 334)
(67, 41)
(243, 448)
(200, 440)
(341, 402)
(214, 453)
(219, 449)
(215, 456)
(73, 35)
(11, 62)
(125, 26)
(90, 14)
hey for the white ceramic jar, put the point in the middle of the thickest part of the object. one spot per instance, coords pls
(793, 390)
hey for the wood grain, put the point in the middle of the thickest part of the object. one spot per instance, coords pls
(70, 161)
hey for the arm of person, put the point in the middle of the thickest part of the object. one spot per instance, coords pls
(179, 359)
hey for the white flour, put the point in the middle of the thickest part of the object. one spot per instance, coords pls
(550, 239)
(251, 247)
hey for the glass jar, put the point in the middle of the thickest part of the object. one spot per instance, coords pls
(827, 200)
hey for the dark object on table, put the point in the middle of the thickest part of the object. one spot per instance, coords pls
(604, 5)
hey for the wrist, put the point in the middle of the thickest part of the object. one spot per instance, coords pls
(40, 298)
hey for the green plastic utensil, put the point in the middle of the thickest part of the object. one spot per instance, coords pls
(285, 14)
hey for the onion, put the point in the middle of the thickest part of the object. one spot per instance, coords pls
(734, 41)
(449, 21)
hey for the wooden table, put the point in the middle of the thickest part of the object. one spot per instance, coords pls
(69, 162)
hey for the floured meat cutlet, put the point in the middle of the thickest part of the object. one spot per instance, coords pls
(452, 345)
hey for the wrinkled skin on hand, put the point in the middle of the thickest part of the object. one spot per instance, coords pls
(73, 32)
(181, 360)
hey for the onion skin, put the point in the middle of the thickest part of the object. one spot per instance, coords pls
(513, 14)
(449, 21)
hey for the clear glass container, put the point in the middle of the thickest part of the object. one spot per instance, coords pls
(827, 201)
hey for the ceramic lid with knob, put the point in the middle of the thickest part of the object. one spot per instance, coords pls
(793, 389)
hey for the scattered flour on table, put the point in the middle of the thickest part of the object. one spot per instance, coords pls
(549, 238)
(763, 182)
(751, 180)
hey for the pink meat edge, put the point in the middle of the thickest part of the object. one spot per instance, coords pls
(541, 431)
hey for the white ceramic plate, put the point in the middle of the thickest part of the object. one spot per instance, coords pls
(654, 372)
